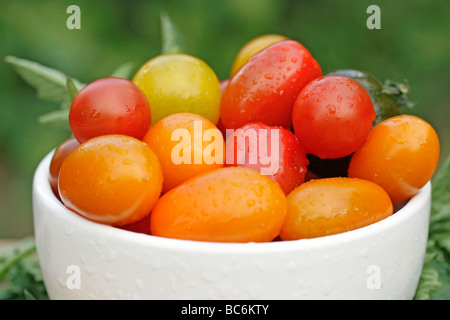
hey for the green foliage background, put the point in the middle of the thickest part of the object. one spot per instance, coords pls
(413, 44)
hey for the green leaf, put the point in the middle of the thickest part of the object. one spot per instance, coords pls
(441, 193)
(72, 90)
(428, 284)
(435, 279)
(124, 71)
(388, 98)
(10, 257)
(21, 276)
(50, 84)
(28, 295)
(172, 39)
(58, 118)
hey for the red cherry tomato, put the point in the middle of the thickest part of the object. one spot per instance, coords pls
(265, 88)
(274, 151)
(220, 125)
(140, 226)
(224, 84)
(332, 116)
(109, 106)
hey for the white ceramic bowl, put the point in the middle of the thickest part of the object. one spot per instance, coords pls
(81, 259)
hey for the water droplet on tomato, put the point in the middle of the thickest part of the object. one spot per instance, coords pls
(331, 109)
(94, 114)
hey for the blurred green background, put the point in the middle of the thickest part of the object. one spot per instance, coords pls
(413, 44)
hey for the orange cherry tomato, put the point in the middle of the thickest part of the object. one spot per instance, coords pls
(334, 205)
(400, 154)
(61, 152)
(232, 204)
(111, 179)
(186, 144)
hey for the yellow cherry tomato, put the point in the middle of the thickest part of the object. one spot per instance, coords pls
(252, 47)
(175, 83)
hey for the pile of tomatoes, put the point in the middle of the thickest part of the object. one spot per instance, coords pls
(177, 153)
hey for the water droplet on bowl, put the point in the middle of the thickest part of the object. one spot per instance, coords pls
(90, 270)
(69, 230)
(326, 287)
(111, 255)
(139, 284)
(109, 277)
(364, 253)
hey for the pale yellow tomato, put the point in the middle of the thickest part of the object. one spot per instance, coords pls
(175, 83)
(252, 47)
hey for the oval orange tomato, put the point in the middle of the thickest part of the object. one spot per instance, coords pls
(232, 204)
(333, 205)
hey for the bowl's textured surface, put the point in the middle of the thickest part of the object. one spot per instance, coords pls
(81, 259)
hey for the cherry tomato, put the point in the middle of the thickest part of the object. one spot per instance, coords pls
(231, 204)
(140, 226)
(400, 154)
(194, 150)
(265, 88)
(61, 152)
(224, 84)
(252, 47)
(220, 126)
(332, 116)
(180, 83)
(109, 106)
(273, 151)
(111, 179)
(334, 205)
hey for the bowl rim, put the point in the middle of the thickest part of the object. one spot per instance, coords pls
(42, 189)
